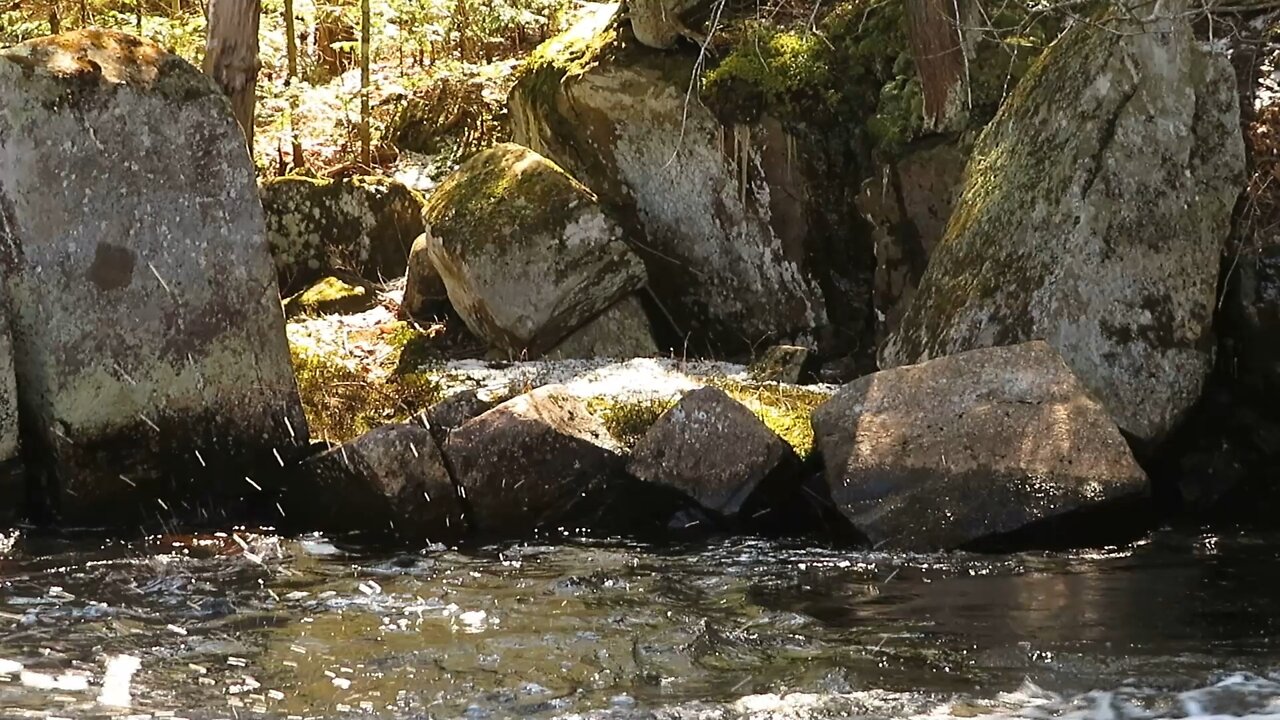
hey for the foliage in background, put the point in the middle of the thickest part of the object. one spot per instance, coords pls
(440, 76)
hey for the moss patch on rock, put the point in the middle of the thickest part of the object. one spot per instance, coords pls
(855, 73)
(331, 295)
(489, 194)
(628, 419)
(786, 409)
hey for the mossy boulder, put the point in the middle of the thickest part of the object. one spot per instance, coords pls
(973, 446)
(1093, 214)
(716, 212)
(332, 295)
(525, 251)
(150, 353)
(365, 225)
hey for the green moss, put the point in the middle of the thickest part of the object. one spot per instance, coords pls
(828, 78)
(627, 420)
(786, 409)
(575, 50)
(418, 350)
(341, 404)
(504, 188)
(856, 74)
(331, 296)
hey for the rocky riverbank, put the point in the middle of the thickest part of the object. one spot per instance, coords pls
(538, 345)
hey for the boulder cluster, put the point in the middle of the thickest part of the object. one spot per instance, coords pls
(999, 337)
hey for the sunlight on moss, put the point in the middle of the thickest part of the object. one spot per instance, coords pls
(627, 420)
(786, 409)
(342, 403)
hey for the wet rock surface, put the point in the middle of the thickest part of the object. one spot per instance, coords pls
(975, 445)
(527, 463)
(392, 479)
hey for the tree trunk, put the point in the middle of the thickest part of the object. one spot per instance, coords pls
(231, 56)
(938, 47)
(55, 20)
(366, 150)
(291, 47)
(84, 13)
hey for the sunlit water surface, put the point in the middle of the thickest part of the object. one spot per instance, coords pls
(252, 626)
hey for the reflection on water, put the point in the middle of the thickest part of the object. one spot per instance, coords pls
(257, 626)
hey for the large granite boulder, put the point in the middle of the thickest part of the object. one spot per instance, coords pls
(149, 344)
(525, 251)
(716, 451)
(532, 462)
(718, 213)
(392, 479)
(980, 444)
(1094, 209)
(364, 225)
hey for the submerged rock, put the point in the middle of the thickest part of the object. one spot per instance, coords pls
(717, 213)
(392, 478)
(364, 225)
(526, 464)
(975, 445)
(714, 450)
(1093, 214)
(526, 252)
(149, 345)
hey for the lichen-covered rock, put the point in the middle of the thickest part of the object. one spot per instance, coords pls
(717, 213)
(149, 345)
(390, 480)
(332, 295)
(967, 447)
(526, 252)
(531, 462)
(622, 331)
(425, 296)
(1094, 209)
(365, 225)
(713, 449)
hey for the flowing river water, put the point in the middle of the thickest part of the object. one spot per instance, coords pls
(251, 625)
